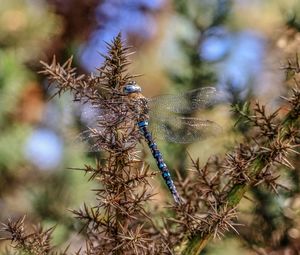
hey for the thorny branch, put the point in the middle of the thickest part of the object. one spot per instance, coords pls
(119, 222)
(273, 142)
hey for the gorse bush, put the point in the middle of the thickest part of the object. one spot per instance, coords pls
(123, 221)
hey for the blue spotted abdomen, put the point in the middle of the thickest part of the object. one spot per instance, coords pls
(143, 126)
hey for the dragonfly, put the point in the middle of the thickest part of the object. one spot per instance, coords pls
(167, 117)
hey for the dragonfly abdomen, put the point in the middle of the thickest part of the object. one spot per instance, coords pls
(143, 126)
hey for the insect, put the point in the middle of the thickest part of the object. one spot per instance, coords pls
(161, 115)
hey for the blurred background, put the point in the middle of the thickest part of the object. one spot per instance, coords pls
(237, 46)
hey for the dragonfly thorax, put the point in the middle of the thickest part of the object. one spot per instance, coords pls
(133, 90)
(140, 107)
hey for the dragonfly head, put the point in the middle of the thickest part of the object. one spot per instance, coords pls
(131, 87)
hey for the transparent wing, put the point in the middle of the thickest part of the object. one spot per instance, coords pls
(98, 120)
(170, 127)
(93, 138)
(184, 129)
(93, 116)
(105, 139)
(185, 102)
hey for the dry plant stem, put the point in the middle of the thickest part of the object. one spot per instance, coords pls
(198, 242)
(117, 223)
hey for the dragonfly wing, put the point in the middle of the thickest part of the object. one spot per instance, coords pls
(185, 102)
(185, 129)
(93, 116)
(89, 115)
(97, 119)
(92, 138)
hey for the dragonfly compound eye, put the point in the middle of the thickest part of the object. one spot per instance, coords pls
(132, 88)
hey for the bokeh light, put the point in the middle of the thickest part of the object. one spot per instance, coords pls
(44, 149)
